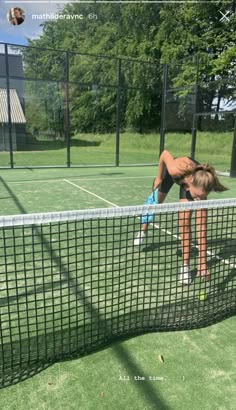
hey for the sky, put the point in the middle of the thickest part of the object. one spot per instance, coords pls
(30, 28)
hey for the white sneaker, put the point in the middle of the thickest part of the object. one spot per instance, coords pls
(140, 238)
(184, 275)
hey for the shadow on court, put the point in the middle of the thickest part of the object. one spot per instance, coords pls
(158, 245)
(230, 278)
(26, 356)
(32, 348)
(224, 248)
(34, 144)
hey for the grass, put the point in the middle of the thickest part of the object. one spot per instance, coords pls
(96, 149)
(214, 148)
(199, 365)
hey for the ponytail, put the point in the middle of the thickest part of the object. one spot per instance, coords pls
(204, 176)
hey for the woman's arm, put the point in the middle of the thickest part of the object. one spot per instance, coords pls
(175, 167)
(166, 160)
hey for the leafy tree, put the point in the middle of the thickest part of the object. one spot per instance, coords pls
(118, 31)
(197, 36)
(181, 36)
(45, 109)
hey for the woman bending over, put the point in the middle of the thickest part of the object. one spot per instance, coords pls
(196, 181)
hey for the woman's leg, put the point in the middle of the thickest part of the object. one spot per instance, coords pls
(142, 233)
(161, 198)
(185, 233)
(185, 237)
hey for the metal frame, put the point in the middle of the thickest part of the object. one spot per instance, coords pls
(195, 116)
(67, 83)
(118, 86)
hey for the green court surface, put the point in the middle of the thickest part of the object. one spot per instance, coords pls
(199, 366)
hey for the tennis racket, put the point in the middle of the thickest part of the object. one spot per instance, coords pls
(152, 199)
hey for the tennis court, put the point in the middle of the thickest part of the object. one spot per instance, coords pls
(197, 363)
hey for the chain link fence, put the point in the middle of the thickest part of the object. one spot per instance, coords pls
(63, 108)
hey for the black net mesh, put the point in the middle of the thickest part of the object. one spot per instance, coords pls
(73, 282)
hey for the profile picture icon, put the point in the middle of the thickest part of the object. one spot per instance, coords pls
(16, 16)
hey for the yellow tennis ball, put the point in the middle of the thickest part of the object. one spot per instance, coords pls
(202, 296)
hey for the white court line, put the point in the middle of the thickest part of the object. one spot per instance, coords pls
(91, 193)
(78, 179)
(93, 179)
(225, 261)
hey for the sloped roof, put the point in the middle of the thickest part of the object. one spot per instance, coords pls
(17, 114)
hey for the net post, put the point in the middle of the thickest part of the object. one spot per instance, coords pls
(67, 122)
(233, 155)
(163, 109)
(118, 113)
(195, 110)
(9, 104)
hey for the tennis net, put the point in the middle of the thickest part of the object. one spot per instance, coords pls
(72, 282)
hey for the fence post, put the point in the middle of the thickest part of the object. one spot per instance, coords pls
(195, 110)
(163, 109)
(233, 156)
(118, 114)
(9, 106)
(67, 95)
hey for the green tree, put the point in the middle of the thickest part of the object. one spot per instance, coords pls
(198, 34)
(178, 35)
(119, 32)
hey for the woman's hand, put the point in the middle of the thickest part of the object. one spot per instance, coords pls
(157, 182)
(203, 273)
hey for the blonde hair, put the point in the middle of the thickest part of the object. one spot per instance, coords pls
(204, 176)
